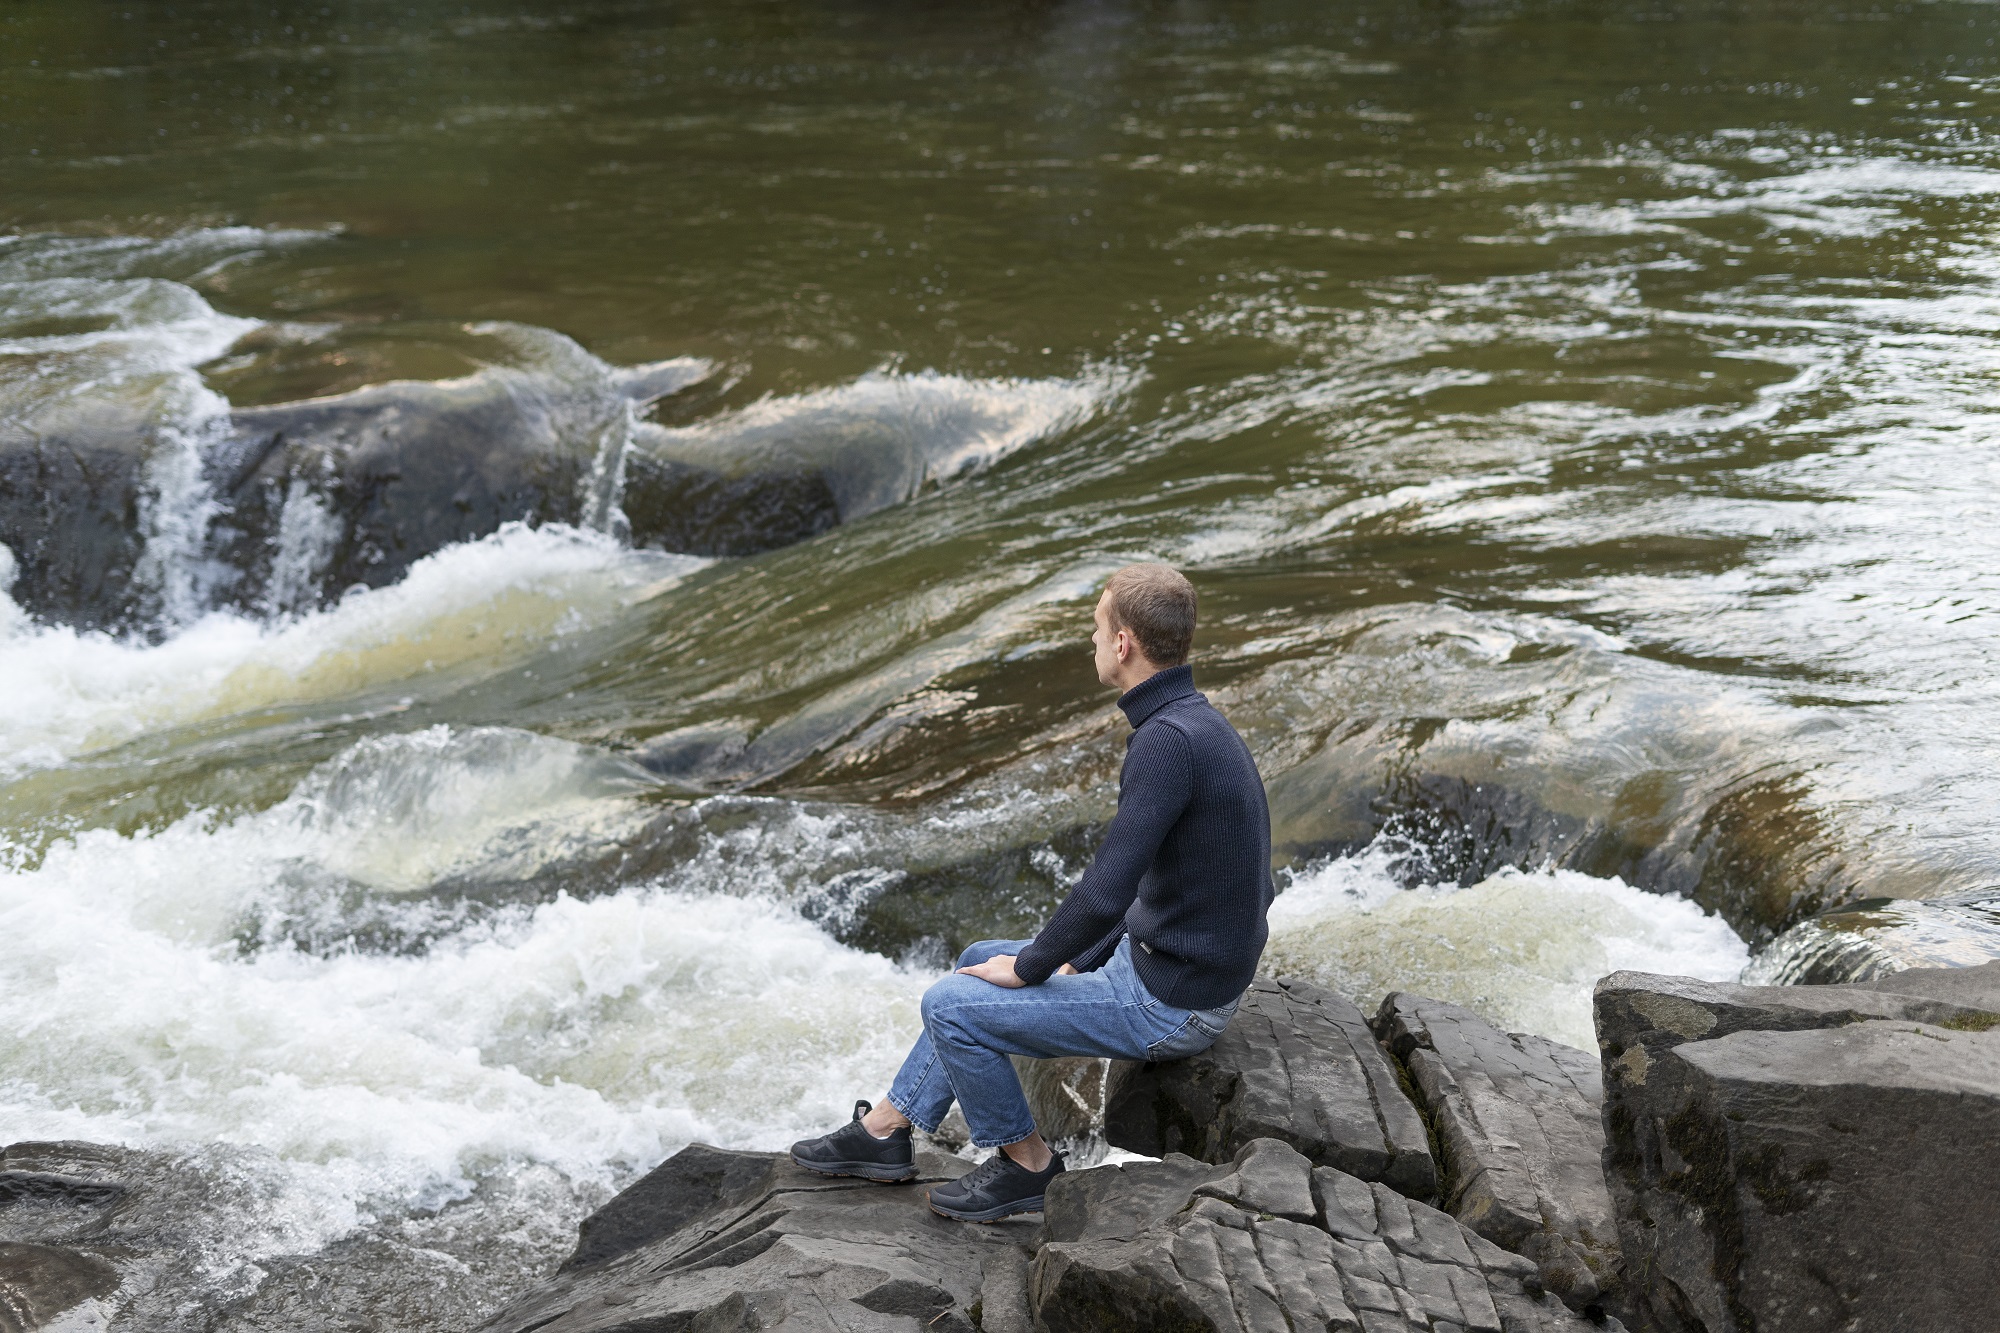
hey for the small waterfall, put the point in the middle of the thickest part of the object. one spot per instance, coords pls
(603, 487)
(308, 531)
(178, 506)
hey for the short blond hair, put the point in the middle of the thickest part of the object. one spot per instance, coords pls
(1156, 604)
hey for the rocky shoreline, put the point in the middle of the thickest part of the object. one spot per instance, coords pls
(1738, 1158)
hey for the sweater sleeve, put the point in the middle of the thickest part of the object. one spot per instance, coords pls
(1157, 785)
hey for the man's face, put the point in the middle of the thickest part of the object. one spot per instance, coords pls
(1104, 639)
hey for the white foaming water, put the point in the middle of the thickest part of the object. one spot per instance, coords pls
(887, 437)
(586, 1036)
(469, 607)
(188, 253)
(1521, 948)
(1848, 197)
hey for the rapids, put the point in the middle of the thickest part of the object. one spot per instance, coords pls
(546, 553)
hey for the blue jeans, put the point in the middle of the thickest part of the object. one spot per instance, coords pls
(971, 1027)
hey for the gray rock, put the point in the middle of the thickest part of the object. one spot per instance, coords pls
(1837, 1179)
(1643, 1021)
(1269, 1242)
(715, 1240)
(1065, 1094)
(1298, 1064)
(1521, 1135)
(40, 1282)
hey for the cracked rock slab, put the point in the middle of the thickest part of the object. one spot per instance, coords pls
(1269, 1243)
(718, 1241)
(1297, 1063)
(1521, 1134)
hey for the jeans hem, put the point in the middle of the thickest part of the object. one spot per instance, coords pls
(998, 1144)
(904, 1112)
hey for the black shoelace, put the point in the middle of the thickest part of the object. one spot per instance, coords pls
(989, 1169)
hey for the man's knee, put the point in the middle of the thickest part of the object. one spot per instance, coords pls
(976, 954)
(946, 994)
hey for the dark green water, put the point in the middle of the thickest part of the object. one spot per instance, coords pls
(1578, 420)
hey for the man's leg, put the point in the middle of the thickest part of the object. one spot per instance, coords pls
(922, 1092)
(974, 1026)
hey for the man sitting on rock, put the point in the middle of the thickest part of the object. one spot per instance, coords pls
(1145, 959)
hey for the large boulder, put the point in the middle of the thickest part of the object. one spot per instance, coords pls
(723, 1240)
(1297, 1063)
(1270, 1242)
(1521, 1134)
(1711, 1218)
(1839, 1179)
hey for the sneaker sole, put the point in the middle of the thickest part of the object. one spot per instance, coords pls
(875, 1171)
(993, 1214)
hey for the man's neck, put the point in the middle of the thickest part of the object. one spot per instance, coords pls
(1132, 673)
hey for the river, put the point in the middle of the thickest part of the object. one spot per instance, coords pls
(1576, 418)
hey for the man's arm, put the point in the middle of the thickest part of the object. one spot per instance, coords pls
(1159, 782)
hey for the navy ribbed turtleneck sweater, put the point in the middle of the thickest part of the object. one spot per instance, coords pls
(1186, 867)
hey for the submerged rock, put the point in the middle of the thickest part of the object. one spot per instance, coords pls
(1297, 1063)
(1790, 1157)
(1877, 938)
(1519, 1125)
(1270, 1242)
(726, 1240)
(282, 507)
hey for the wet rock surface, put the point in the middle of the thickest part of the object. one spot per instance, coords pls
(726, 1240)
(1520, 1129)
(1298, 1064)
(1798, 1157)
(1271, 1242)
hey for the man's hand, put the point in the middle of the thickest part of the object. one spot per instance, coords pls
(999, 969)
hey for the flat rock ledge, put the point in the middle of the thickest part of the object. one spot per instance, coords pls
(1298, 1064)
(1520, 1129)
(714, 1241)
(1812, 1159)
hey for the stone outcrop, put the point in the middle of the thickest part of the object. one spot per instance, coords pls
(1521, 1135)
(1298, 1064)
(718, 1240)
(1804, 1158)
(1270, 1242)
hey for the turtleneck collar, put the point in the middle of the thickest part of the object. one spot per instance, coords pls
(1155, 692)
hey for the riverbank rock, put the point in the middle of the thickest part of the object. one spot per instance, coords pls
(1521, 1136)
(1802, 1157)
(1298, 1064)
(1270, 1242)
(719, 1240)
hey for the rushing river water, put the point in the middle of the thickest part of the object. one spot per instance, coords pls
(1576, 418)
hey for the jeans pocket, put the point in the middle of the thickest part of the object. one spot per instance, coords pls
(1190, 1038)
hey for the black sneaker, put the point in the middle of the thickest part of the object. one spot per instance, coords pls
(852, 1151)
(998, 1187)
